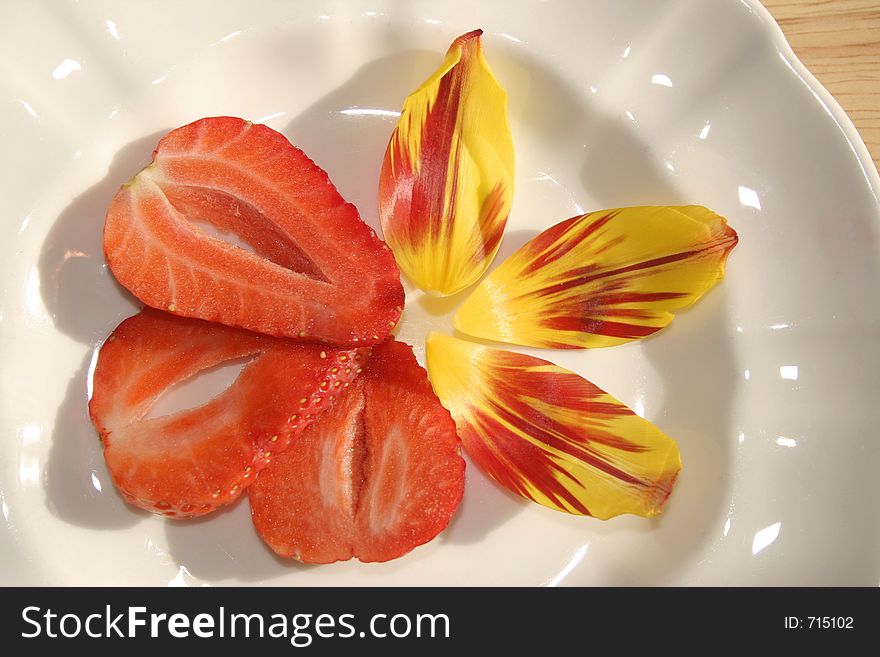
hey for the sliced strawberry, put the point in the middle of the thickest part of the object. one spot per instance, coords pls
(376, 476)
(316, 272)
(413, 470)
(190, 462)
(303, 506)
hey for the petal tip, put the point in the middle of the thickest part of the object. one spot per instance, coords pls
(473, 35)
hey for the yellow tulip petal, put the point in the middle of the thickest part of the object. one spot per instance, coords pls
(550, 435)
(601, 279)
(447, 179)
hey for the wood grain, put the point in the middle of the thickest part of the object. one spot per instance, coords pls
(839, 42)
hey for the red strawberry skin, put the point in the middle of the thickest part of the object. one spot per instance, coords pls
(188, 463)
(378, 475)
(317, 271)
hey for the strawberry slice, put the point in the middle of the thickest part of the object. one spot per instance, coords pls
(188, 463)
(316, 270)
(376, 476)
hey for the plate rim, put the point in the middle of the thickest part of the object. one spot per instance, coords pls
(774, 31)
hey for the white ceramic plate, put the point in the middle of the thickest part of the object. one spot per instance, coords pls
(769, 383)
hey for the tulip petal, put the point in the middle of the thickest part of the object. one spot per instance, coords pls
(550, 435)
(601, 279)
(446, 184)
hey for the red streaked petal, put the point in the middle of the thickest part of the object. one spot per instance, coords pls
(446, 184)
(550, 435)
(601, 279)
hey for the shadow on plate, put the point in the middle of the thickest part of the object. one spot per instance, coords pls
(485, 507)
(86, 303)
(513, 240)
(82, 297)
(617, 169)
(695, 360)
(225, 546)
(346, 132)
(78, 486)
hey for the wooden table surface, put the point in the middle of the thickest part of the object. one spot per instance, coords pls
(839, 42)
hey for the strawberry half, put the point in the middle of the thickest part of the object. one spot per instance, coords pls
(317, 271)
(188, 463)
(376, 476)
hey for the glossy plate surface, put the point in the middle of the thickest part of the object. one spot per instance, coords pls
(769, 384)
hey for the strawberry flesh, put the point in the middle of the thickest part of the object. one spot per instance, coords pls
(313, 270)
(190, 462)
(378, 475)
